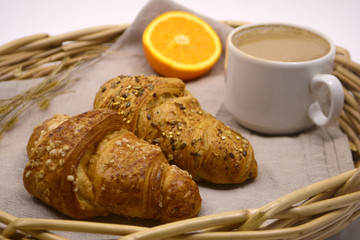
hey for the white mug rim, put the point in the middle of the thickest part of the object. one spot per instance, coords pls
(330, 53)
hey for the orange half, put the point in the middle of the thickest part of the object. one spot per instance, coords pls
(180, 44)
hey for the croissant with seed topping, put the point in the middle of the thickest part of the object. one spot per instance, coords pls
(87, 166)
(162, 112)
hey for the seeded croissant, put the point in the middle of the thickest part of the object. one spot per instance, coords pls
(87, 166)
(162, 112)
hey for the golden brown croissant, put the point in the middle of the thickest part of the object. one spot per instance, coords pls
(87, 166)
(161, 111)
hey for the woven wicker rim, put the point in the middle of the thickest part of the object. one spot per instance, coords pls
(313, 212)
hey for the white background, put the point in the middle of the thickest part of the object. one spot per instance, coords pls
(338, 19)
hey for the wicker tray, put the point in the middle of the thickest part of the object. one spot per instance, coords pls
(314, 212)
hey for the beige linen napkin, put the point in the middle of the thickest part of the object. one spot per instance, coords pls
(286, 163)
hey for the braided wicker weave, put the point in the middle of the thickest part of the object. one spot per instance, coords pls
(314, 212)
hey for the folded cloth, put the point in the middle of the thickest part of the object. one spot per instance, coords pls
(286, 163)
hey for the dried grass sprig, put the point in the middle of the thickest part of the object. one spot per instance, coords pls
(11, 108)
(47, 56)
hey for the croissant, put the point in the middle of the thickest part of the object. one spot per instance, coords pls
(163, 112)
(87, 165)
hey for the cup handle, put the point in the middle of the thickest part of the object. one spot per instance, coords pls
(336, 100)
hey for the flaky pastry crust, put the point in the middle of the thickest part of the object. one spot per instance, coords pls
(87, 165)
(162, 112)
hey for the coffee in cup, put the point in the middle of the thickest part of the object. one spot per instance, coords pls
(281, 43)
(277, 76)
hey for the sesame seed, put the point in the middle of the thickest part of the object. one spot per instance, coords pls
(51, 144)
(53, 152)
(195, 154)
(28, 173)
(48, 148)
(62, 152)
(126, 112)
(155, 141)
(150, 87)
(61, 162)
(70, 178)
(48, 162)
(172, 122)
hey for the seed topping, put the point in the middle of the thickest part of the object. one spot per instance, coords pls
(70, 178)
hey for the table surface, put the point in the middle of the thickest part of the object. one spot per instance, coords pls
(337, 19)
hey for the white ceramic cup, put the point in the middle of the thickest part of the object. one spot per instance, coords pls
(274, 97)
